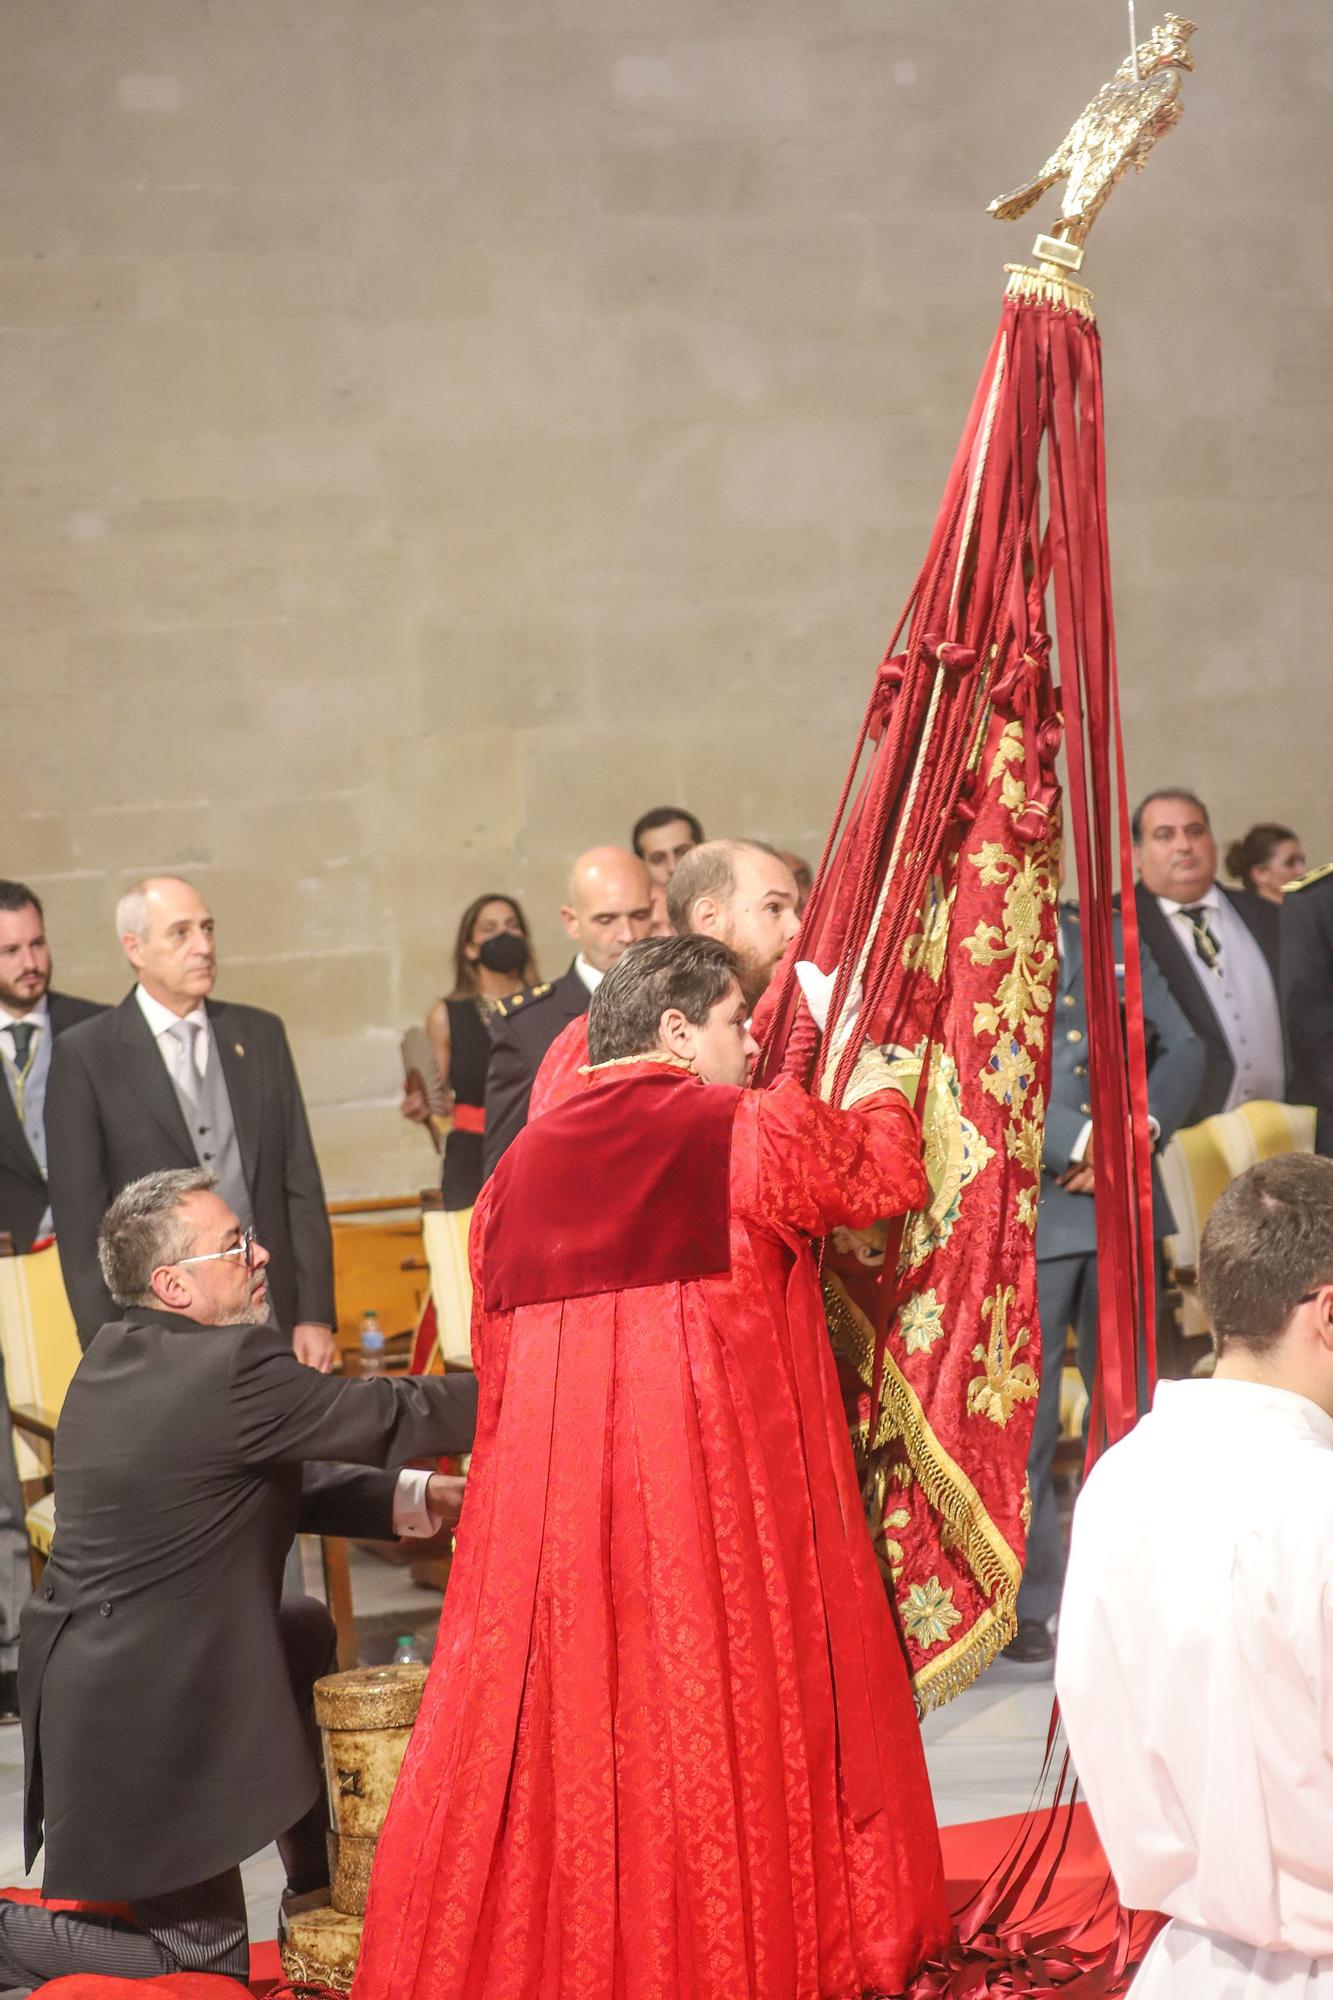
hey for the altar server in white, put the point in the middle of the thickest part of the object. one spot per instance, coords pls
(1195, 1657)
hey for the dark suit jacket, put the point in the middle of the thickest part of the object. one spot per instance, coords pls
(1160, 939)
(162, 1739)
(1306, 917)
(112, 1115)
(1067, 1222)
(523, 1030)
(23, 1193)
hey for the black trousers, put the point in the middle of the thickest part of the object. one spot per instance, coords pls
(201, 1928)
(1066, 1296)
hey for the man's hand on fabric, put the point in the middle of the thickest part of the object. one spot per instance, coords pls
(314, 1346)
(444, 1500)
(1079, 1180)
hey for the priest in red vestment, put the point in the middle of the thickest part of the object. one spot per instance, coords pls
(668, 1749)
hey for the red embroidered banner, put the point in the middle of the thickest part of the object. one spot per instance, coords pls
(936, 903)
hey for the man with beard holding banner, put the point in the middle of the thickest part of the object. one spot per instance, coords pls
(668, 1745)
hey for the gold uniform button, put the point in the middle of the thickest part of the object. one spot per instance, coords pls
(1086, 1109)
(1073, 1034)
(1080, 1069)
(1068, 999)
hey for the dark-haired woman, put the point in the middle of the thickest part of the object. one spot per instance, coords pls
(492, 959)
(1266, 858)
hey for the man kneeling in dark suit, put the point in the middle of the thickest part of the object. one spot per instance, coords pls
(164, 1686)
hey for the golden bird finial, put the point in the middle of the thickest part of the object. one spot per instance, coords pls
(1115, 132)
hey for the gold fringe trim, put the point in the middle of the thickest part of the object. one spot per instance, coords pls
(1046, 287)
(952, 1496)
(663, 1056)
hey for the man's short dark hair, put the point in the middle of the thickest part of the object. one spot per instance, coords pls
(144, 1229)
(690, 973)
(18, 896)
(1268, 1241)
(1165, 792)
(663, 816)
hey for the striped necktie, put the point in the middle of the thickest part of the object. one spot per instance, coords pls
(1206, 944)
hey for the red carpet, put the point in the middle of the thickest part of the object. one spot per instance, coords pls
(1075, 1893)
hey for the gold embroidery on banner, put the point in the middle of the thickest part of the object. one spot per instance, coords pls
(925, 950)
(1005, 1381)
(928, 1612)
(921, 1322)
(951, 1496)
(1016, 1018)
(899, 1517)
(955, 1151)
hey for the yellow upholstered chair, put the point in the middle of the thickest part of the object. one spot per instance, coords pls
(41, 1351)
(444, 1233)
(1196, 1167)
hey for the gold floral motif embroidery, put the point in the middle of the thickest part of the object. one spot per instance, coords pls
(925, 950)
(866, 1245)
(955, 1151)
(1025, 1510)
(1025, 1208)
(893, 1551)
(1024, 994)
(1008, 753)
(1008, 1072)
(921, 1322)
(1006, 1381)
(1023, 1139)
(928, 1613)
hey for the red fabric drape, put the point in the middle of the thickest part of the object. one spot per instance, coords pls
(935, 904)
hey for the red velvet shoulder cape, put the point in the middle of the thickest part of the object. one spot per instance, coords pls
(622, 1186)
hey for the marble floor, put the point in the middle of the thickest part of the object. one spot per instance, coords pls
(984, 1750)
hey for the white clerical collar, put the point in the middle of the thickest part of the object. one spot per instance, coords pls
(1197, 1399)
(1212, 902)
(34, 1014)
(589, 974)
(160, 1018)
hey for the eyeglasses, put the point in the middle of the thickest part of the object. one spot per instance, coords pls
(245, 1250)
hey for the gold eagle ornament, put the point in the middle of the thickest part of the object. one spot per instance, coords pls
(1115, 132)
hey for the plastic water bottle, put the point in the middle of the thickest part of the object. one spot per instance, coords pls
(372, 1345)
(408, 1653)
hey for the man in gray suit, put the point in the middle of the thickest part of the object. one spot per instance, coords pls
(164, 1682)
(1067, 1235)
(173, 1078)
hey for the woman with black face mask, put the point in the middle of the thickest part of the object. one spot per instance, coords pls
(492, 959)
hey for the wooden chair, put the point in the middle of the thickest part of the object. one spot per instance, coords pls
(41, 1351)
(1199, 1163)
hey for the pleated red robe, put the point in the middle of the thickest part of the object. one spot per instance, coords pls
(668, 1749)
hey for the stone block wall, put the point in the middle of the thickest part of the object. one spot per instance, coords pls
(432, 433)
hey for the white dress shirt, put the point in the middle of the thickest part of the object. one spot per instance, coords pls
(1195, 1676)
(1241, 993)
(161, 1021)
(589, 974)
(411, 1515)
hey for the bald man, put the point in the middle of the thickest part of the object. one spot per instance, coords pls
(172, 1078)
(609, 906)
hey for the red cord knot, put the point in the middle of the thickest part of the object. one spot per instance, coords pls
(882, 696)
(952, 659)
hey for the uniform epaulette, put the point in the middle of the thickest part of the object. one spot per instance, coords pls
(1315, 875)
(504, 1008)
